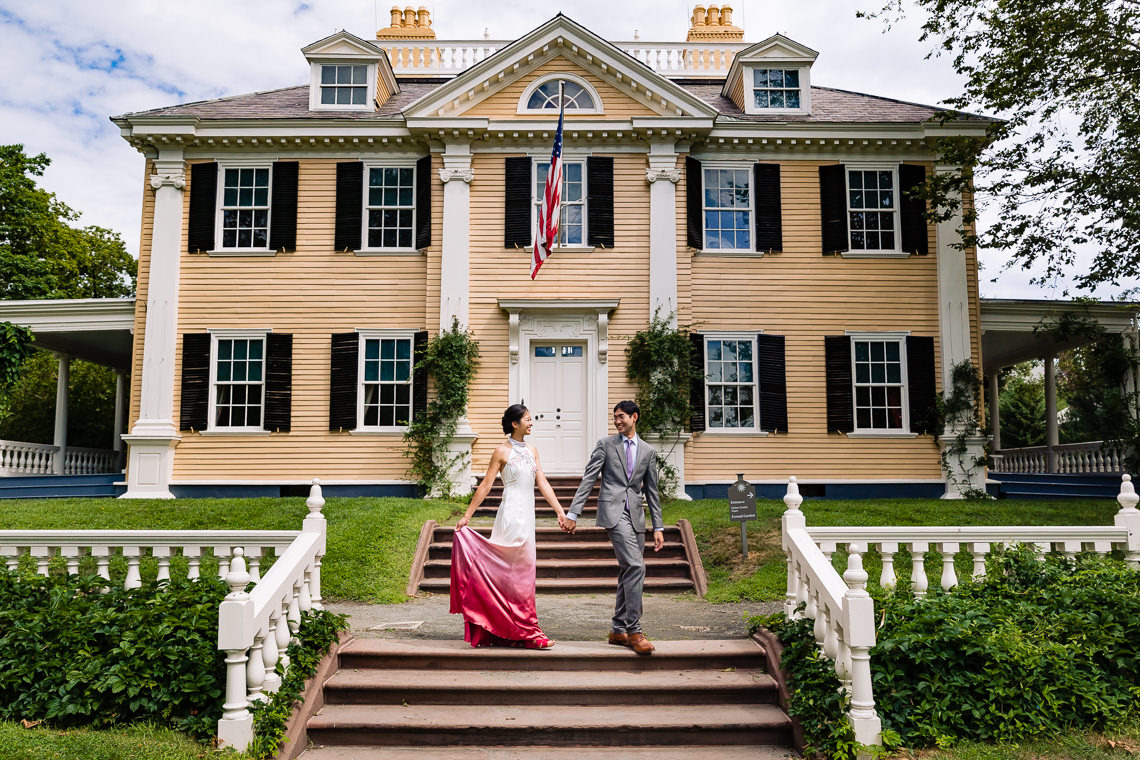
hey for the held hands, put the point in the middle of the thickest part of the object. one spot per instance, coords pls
(658, 540)
(567, 524)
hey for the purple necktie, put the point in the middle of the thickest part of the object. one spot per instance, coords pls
(629, 457)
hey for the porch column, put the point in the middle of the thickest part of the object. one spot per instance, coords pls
(1051, 437)
(663, 177)
(454, 283)
(62, 379)
(120, 413)
(995, 419)
(152, 440)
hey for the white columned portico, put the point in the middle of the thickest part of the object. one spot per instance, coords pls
(663, 177)
(454, 282)
(62, 380)
(120, 413)
(1052, 437)
(152, 440)
(995, 411)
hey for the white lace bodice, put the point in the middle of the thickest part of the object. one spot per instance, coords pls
(514, 521)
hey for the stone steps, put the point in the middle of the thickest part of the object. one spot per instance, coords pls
(534, 752)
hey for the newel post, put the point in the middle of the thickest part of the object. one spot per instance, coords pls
(859, 629)
(1129, 517)
(235, 637)
(315, 523)
(793, 519)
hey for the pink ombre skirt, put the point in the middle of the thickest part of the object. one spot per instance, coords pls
(492, 586)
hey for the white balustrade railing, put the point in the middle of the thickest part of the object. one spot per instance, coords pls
(1087, 457)
(22, 458)
(453, 56)
(844, 613)
(254, 627)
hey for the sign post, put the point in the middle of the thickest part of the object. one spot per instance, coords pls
(742, 508)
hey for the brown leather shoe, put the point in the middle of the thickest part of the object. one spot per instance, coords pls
(619, 639)
(640, 644)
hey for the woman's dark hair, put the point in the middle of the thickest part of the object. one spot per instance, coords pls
(513, 414)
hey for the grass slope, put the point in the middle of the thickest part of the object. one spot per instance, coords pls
(141, 742)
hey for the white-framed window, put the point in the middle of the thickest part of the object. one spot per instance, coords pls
(776, 89)
(572, 223)
(244, 207)
(237, 380)
(385, 398)
(390, 206)
(878, 373)
(344, 84)
(542, 95)
(728, 208)
(731, 393)
(872, 209)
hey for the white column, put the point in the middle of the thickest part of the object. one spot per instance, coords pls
(454, 275)
(61, 398)
(995, 414)
(1052, 439)
(120, 410)
(454, 283)
(152, 440)
(663, 177)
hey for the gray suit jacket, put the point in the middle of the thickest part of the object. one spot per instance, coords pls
(608, 461)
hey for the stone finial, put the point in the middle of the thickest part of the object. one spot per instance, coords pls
(792, 499)
(855, 575)
(1127, 498)
(408, 24)
(237, 578)
(316, 500)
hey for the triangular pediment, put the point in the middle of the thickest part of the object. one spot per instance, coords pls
(493, 86)
(777, 50)
(343, 44)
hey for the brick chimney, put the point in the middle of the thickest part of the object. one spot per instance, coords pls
(408, 24)
(713, 24)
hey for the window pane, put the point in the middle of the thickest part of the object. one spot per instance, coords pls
(791, 99)
(359, 75)
(544, 350)
(358, 97)
(776, 99)
(343, 96)
(328, 96)
(791, 78)
(714, 350)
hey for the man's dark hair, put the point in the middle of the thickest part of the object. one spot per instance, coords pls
(629, 407)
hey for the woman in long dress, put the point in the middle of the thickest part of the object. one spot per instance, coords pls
(492, 581)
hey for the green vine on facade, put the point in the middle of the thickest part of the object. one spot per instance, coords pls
(450, 359)
(15, 346)
(957, 413)
(659, 362)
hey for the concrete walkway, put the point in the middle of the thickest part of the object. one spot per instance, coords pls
(568, 618)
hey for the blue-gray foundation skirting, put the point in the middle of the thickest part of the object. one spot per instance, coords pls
(884, 490)
(236, 491)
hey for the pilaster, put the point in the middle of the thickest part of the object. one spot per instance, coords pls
(154, 435)
(663, 176)
(454, 276)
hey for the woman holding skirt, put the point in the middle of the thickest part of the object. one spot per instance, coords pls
(492, 581)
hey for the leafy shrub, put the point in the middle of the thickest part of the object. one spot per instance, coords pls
(318, 631)
(1034, 647)
(73, 655)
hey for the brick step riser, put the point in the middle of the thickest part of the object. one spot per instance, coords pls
(572, 553)
(581, 586)
(488, 509)
(584, 534)
(559, 697)
(489, 660)
(587, 573)
(552, 736)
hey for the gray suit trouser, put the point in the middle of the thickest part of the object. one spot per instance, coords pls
(629, 548)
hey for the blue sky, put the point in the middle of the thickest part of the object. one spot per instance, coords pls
(71, 64)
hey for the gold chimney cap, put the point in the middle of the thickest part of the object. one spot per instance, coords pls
(408, 24)
(713, 23)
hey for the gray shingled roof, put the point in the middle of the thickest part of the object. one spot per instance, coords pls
(828, 105)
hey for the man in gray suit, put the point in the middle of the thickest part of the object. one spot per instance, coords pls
(627, 466)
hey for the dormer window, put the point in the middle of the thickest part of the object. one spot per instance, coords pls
(776, 88)
(577, 95)
(344, 85)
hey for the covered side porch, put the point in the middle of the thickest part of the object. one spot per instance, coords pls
(98, 330)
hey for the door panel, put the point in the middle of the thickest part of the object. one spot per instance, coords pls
(557, 402)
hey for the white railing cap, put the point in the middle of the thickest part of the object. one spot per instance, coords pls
(978, 533)
(275, 538)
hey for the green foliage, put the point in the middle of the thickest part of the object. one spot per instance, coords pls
(1021, 404)
(15, 347)
(816, 697)
(41, 254)
(73, 653)
(1033, 648)
(140, 741)
(30, 403)
(319, 630)
(957, 412)
(1063, 172)
(451, 359)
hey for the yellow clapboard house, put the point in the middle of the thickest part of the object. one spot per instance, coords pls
(299, 247)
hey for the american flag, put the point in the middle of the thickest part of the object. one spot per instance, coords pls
(551, 211)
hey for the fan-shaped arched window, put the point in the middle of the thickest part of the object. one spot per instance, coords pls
(546, 96)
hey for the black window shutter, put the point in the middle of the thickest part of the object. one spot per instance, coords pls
(697, 388)
(195, 403)
(419, 375)
(694, 203)
(920, 386)
(600, 201)
(766, 190)
(833, 208)
(278, 382)
(283, 209)
(349, 205)
(342, 381)
(840, 402)
(912, 211)
(770, 371)
(516, 222)
(423, 202)
(203, 207)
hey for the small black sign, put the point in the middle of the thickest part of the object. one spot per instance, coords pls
(741, 500)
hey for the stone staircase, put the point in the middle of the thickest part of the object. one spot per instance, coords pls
(564, 488)
(398, 698)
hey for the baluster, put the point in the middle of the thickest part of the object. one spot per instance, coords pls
(43, 556)
(918, 578)
(887, 550)
(801, 589)
(102, 562)
(134, 579)
(949, 575)
(1102, 547)
(1041, 548)
(162, 554)
(235, 727)
(72, 555)
(193, 555)
(304, 601)
(828, 549)
(793, 589)
(1071, 549)
(294, 615)
(253, 556)
(270, 655)
(283, 634)
(11, 555)
(979, 552)
(812, 613)
(1129, 518)
(255, 669)
(223, 555)
(830, 633)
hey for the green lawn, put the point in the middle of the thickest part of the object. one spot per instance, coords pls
(141, 742)
(1119, 742)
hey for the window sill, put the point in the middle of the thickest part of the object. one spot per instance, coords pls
(379, 431)
(572, 249)
(734, 253)
(881, 434)
(241, 431)
(736, 431)
(874, 254)
(233, 252)
(388, 252)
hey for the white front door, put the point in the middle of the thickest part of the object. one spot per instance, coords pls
(557, 403)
